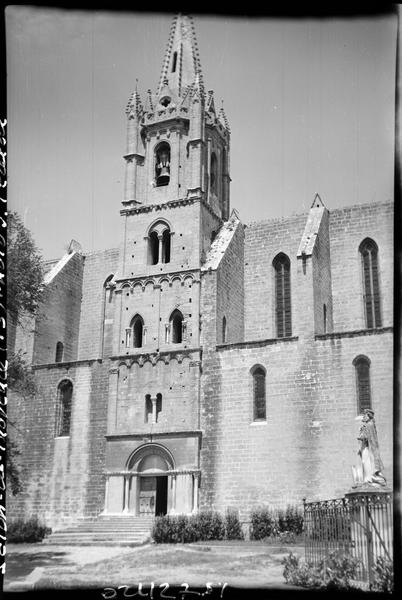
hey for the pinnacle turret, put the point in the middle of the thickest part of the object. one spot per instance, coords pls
(134, 104)
(223, 118)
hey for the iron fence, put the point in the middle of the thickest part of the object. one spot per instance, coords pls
(359, 524)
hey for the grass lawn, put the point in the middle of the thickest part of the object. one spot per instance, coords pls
(239, 564)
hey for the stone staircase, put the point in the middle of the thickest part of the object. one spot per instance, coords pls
(111, 530)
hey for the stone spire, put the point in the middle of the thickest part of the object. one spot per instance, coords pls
(181, 64)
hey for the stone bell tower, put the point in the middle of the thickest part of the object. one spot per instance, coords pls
(177, 144)
(176, 198)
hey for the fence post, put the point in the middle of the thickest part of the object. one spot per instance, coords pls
(369, 538)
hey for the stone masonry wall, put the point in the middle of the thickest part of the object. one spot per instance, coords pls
(230, 289)
(98, 267)
(348, 228)
(308, 443)
(175, 377)
(59, 316)
(263, 241)
(62, 476)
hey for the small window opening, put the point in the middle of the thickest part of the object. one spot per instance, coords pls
(162, 164)
(59, 352)
(166, 246)
(65, 393)
(158, 406)
(214, 173)
(148, 409)
(138, 327)
(362, 367)
(259, 394)
(224, 330)
(153, 242)
(176, 326)
(325, 317)
(174, 62)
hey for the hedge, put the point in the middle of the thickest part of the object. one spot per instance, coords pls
(203, 526)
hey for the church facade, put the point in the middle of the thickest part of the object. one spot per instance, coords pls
(204, 363)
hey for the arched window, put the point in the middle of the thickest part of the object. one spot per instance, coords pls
(214, 173)
(63, 416)
(224, 330)
(59, 352)
(162, 164)
(371, 294)
(176, 327)
(281, 264)
(259, 402)
(159, 238)
(362, 368)
(137, 327)
(153, 406)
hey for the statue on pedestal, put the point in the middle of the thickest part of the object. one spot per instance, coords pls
(370, 467)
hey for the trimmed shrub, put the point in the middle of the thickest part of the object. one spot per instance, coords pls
(203, 526)
(335, 572)
(270, 523)
(263, 524)
(30, 531)
(383, 576)
(233, 530)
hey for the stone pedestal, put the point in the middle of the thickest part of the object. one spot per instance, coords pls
(371, 522)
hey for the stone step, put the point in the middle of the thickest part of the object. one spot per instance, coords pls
(109, 534)
(99, 539)
(111, 527)
(111, 530)
(86, 542)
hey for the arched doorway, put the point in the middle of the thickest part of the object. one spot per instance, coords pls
(149, 492)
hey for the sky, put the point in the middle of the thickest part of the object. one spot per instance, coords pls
(310, 104)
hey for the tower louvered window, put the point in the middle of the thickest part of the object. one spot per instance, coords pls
(371, 287)
(362, 366)
(282, 296)
(258, 374)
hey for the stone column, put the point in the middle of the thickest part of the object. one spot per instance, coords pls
(126, 492)
(104, 512)
(172, 494)
(160, 249)
(196, 479)
(132, 504)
